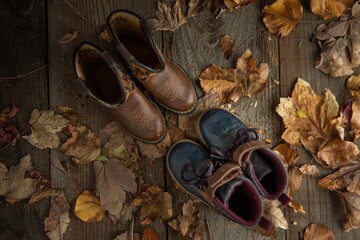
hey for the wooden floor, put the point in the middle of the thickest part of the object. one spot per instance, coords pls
(30, 30)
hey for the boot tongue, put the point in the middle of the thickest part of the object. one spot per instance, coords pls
(224, 192)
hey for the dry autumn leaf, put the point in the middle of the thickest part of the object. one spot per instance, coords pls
(13, 182)
(8, 131)
(227, 46)
(196, 6)
(88, 207)
(248, 79)
(168, 18)
(153, 151)
(340, 44)
(295, 179)
(189, 225)
(275, 214)
(120, 145)
(68, 113)
(351, 202)
(347, 177)
(106, 34)
(327, 9)
(283, 16)
(113, 179)
(126, 236)
(68, 37)
(83, 146)
(310, 170)
(290, 153)
(149, 234)
(308, 121)
(44, 126)
(318, 232)
(154, 204)
(45, 193)
(234, 4)
(57, 222)
(353, 84)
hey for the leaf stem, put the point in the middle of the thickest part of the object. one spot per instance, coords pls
(24, 74)
(22, 133)
(209, 231)
(131, 237)
(78, 13)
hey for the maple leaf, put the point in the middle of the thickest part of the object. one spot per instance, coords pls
(318, 232)
(168, 18)
(120, 145)
(308, 121)
(234, 4)
(83, 146)
(351, 203)
(155, 204)
(340, 44)
(13, 183)
(57, 222)
(327, 9)
(149, 234)
(44, 126)
(8, 131)
(347, 177)
(247, 79)
(353, 84)
(88, 207)
(112, 180)
(283, 16)
(227, 46)
(275, 214)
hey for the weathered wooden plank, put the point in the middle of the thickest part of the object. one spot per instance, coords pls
(245, 26)
(297, 57)
(62, 19)
(22, 50)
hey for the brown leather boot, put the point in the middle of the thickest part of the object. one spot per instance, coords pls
(99, 76)
(167, 82)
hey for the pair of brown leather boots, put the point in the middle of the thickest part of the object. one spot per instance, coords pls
(101, 77)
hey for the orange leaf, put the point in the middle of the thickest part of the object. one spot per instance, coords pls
(149, 234)
(318, 232)
(282, 16)
(327, 9)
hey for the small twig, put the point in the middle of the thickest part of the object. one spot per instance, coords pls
(24, 74)
(131, 237)
(308, 164)
(208, 227)
(22, 133)
(78, 13)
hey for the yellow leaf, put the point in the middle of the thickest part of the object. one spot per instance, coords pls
(327, 9)
(282, 16)
(88, 207)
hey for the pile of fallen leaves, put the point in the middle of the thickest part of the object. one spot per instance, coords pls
(329, 133)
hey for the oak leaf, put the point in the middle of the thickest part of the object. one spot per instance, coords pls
(227, 45)
(282, 16)
(308, 121)
(351, 203)
(327, 9)
(168, 18)
(8, 131)
(340, 44)
(248, 79)
(113, 180)
(318, 232)
(275, 214)
(149, 234)
(57, 222)
(347, 177)
(88, 207)
(83, 146)
(44, 126)
(353, 84)
(14, 184)
(154, 203)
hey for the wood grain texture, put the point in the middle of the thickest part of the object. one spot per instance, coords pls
(22, 50)
(248, 31)
(298, 54)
